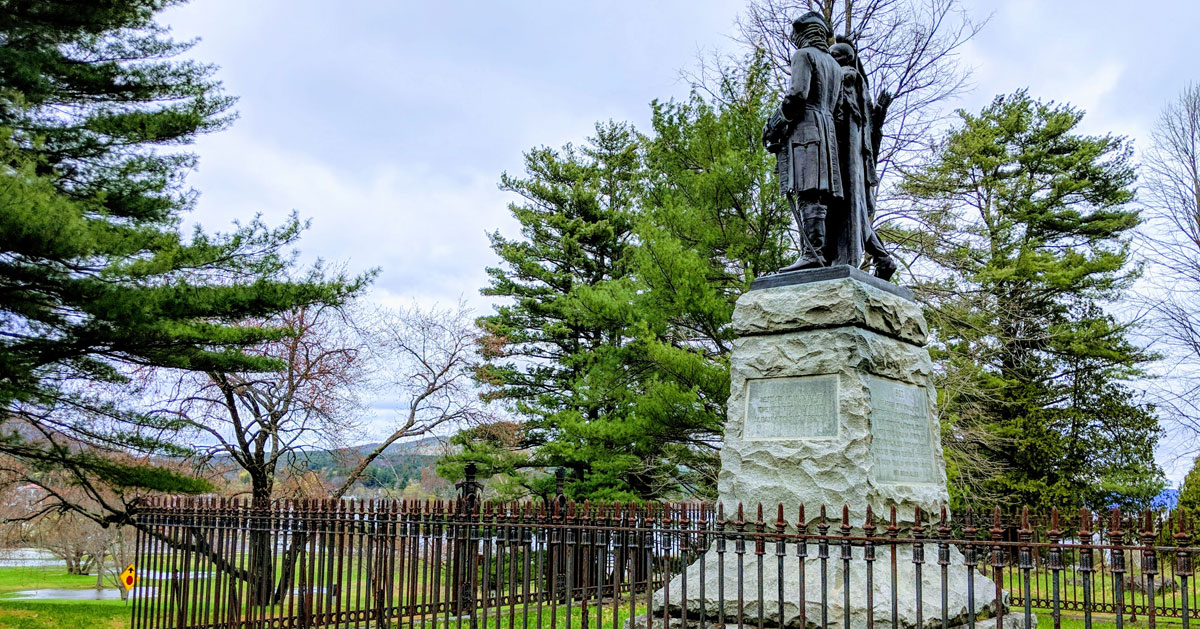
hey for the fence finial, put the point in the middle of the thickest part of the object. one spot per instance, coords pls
(1181, 528)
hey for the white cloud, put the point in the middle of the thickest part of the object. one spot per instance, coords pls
(424, 229)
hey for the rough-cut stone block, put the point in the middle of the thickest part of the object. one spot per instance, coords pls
(1011, 621)
(965, 598)
(831, 303)
(881, 386)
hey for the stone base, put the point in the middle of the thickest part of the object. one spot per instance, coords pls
(906, 592)
(1011, 621)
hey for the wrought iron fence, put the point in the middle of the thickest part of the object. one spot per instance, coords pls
(231, 563)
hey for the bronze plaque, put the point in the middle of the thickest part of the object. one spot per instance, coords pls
(804, 407)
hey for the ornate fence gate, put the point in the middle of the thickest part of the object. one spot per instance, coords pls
(229, 563)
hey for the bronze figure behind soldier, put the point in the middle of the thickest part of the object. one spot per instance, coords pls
(850, 231)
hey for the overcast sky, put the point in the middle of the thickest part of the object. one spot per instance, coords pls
(388, 123)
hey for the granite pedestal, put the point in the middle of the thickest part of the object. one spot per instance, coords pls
(832, 403)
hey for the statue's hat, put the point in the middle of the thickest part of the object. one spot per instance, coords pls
(812, 17)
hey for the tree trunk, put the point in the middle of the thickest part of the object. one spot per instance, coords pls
(262, 554)
(100, 572)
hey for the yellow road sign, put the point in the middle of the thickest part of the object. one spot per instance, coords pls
(128, 578)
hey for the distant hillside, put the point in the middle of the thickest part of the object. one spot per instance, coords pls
(400, 464)
(426, 446)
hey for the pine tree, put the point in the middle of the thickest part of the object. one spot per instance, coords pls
(1033, 224)
(1189, 492)
(96, 277)
(548, 357)
(711, 220)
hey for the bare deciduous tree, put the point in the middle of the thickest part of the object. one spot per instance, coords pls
(428, 358)
(419, 360)
(262, 420)
(1170, 191)
(78, 541)
(122, 551)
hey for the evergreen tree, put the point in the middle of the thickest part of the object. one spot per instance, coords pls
(1189, 492)
(96, 277)
(550, 359)
(1032, 225)
(711, 220)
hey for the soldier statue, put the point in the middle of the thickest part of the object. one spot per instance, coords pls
(802, 135)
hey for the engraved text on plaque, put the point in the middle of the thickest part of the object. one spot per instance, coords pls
(900, 432)
(791, 408)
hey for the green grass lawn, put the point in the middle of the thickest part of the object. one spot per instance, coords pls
(28, 614)
(63, 614)
(46, 614)
(13, 579)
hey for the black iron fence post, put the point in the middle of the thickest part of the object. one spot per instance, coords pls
(998, 566)
(918, 559)
(780, 555)
(1025, 559)
(1117, 537)
(869, 558)
(971, 559)
(943, 531)
(893, 531)
(1056, 566)
(847, 555)
(1086, 563)
(560, 509)
(1150, 566)
(823, 557)
(1183, 564)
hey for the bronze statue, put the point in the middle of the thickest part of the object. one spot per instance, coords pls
(858, 135)
(825, 136)
(802, 135)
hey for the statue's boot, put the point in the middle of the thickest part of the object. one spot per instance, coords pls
(885, 264)
(812, 222)
(885, 268)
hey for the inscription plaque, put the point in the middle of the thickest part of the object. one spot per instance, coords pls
(791, 408)
(900, 439)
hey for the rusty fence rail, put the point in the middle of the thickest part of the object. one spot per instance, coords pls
(321, 563)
